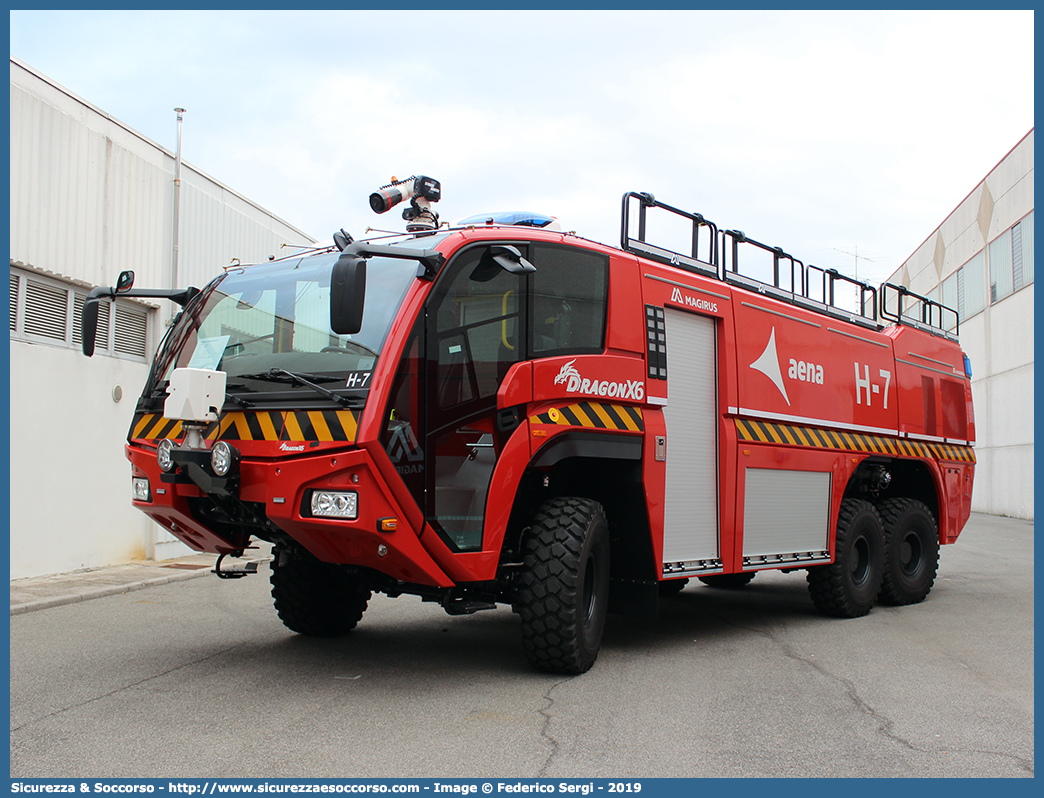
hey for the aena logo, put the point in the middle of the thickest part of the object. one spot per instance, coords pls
(768, 364)
(575, 383)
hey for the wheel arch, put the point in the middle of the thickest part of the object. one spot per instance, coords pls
(606, 468)
(910, 479)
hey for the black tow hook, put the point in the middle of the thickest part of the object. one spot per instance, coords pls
(235, 571)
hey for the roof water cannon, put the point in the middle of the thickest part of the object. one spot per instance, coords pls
(421, 191)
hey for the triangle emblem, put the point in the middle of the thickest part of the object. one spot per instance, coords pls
(768, 364)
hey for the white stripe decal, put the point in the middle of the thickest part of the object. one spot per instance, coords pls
(686, 286)
(816, 422)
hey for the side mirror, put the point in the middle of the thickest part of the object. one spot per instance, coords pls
(341, 240)
(500, 257)
(510, 259)
(125, 282)
(347, 294)
(89, 319)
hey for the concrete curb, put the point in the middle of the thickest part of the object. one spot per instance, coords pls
(101, 592)
(40, 593)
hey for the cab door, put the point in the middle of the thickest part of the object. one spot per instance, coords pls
(475, 332)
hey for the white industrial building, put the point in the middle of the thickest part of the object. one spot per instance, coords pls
(90, 198)
(979, 261)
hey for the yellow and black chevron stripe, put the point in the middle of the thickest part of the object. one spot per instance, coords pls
(258, 425)
(597, 415)
(789, 435)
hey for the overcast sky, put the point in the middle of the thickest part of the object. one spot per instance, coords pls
(813, 131)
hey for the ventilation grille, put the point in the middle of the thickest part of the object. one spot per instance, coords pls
(14, 301)
(44, 310)
(131, 328)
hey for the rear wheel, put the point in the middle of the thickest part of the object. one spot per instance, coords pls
(848, 587)
(564, 588)
(672, 587)
(315, 598)
(728, 581)
(911, 551)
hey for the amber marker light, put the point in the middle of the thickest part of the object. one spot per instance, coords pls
(387, 524)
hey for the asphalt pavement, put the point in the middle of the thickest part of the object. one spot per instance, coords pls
(152, 670)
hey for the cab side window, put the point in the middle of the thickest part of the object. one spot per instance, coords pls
(476, 314)
(568, 301)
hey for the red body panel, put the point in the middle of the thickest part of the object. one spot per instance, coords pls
(801, 366)
(282, 487)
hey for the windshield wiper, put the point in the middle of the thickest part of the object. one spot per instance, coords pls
(282, 375)
(237, 399)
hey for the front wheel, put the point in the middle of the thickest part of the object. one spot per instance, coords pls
(848, 587)
(315, 598)
(564, 586)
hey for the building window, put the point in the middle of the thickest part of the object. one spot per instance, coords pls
(1022, 252)
(1011, 260)
(974, 286)
(1001, 278)
(48, 311)
(950, 300)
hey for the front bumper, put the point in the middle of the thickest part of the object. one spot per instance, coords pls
(284, 487)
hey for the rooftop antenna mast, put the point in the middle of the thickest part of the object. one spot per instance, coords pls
(858, 258)
(177, 205)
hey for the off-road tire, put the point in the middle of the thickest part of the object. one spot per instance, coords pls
(911, 551)
(314, 598)
(672, 587)
(564, 585)
(848, 587)
(728, 581)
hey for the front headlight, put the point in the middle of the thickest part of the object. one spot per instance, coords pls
(223, 459)
(163, 455)
(335, 504)
(141, 489)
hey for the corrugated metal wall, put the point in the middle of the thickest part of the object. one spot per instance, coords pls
(89, 198)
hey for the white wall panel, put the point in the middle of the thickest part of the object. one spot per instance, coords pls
(89, 198)
(999, 340)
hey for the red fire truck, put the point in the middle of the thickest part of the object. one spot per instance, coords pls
(499, 412)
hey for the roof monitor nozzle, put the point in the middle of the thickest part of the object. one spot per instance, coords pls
(421, 191)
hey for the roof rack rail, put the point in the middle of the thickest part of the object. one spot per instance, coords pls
(791, 278)
(692, 261)
(931, 315)
(831, 276)
(737, 237)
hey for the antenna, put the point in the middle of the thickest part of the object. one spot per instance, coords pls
(858, 258)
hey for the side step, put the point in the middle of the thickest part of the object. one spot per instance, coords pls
(463, 606)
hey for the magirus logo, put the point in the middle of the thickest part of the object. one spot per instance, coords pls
(575, 383)
(286, 447)
(693, 302)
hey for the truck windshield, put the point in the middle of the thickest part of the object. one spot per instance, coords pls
(261, 324)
